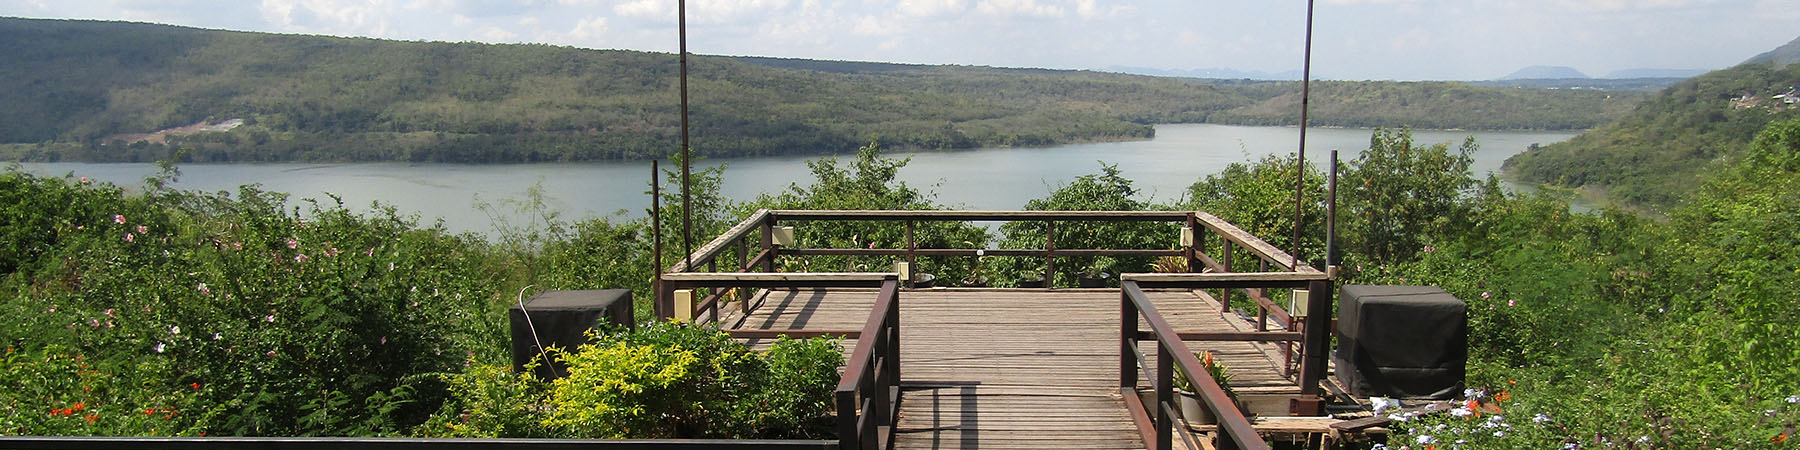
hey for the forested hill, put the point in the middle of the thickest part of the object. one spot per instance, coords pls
(1659, 151)
(101, 91)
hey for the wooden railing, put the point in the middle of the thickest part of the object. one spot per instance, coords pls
(1173, 354)
(868, 395)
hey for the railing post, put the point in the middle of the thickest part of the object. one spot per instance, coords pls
(1165, 370)
(1193, 257)
(768, 242)
(1225, 292)
(1127, 337)
(846, 418)
(1262, 314)
(912, 259)
(1049, 254)
(1318, 333)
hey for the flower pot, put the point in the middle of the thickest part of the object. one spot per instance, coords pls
(1093, 281)
(1031, 281)
(975, 281)
(924, 281)
(1192, 410)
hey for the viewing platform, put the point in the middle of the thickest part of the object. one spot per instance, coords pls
(1035, 367)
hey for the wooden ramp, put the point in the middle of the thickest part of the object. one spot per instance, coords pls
(1014, 368)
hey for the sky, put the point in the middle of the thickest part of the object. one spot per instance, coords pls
(1353, 39)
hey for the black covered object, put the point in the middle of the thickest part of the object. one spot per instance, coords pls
(1401, 341)
(562, 319)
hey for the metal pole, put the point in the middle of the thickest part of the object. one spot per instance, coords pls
(1331, 216)
(1300, 163)
(656, 241)
(687, 205)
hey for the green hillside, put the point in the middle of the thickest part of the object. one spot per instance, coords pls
(95, 91)
(1655, 154)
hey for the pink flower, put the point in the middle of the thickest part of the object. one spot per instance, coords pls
(271, 353)
(143, 229)
(237, 246)
(84, 180)
(118, 219)
(1509, 303)
(300, 257)
(269, 318)
(204, 289)
(1485, 294)
(94, 323)
(129, 238)
(384, 340)
(109, 313)
(293, 243)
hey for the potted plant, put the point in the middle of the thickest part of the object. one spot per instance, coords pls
(1189, 400)
(976, 277)
(1096, 274)
(924, 280)
(1031, 280)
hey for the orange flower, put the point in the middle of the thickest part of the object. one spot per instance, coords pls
(149, 411)
(1779, 437)
(77, 407)
(92, 417)
(1502, 396)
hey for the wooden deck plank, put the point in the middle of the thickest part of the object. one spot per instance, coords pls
(1017, 368)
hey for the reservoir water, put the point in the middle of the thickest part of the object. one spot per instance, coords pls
(993, 178)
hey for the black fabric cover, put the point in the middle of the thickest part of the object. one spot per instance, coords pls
(562, 319)
(1401, 341)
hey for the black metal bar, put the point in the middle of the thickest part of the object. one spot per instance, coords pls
(1318, 333)
(1305, 105)
(687, 204)
(362, 443)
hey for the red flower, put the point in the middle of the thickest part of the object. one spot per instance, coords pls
(149, 411)
(1779, 437)
(92, 417)
(196, 386)
(77, 407)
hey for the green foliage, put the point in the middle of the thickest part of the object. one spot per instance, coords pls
(1659, 152)
(1258, 196)
(1396, 194)
(1104, 191)
(664, 380)
(868, 182)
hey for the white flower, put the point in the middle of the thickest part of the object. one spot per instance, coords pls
(1540, 418)
(1643, 439)
(1461, 412)
(159, 347)
(1499, 433)
(1793, 399)
(216, 336)
(1473, 393)
(175, 330)
(1425, 439)
(1570, 446)
(1383, 403)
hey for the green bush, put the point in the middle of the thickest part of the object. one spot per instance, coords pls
(665, 380)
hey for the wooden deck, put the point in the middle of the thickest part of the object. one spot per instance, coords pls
(1018, 368)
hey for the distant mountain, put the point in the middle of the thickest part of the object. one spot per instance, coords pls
(1592, 84)
(1212, 73)
(1655, 155)
(1545, 73)
(76, 90)
(1655, 73)
(1782, 56)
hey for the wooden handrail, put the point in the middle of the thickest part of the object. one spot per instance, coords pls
(1173, 355)
(706, 252)
(383, 443)
(872, 374)
(1248, 241)
(950, 215)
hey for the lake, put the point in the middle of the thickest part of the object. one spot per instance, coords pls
(993, 178)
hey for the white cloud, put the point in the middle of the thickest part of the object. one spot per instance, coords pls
(494, 34)
(589, 32)
(460, 20)
(930, 8)
(528, 21)
(1019, 8)
(350, 17)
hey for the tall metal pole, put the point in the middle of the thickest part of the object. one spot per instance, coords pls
(687, 206)
(1300, 162)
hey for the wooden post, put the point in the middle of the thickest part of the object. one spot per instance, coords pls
(1127, 340)
(768, 242)
(1225, 292)
(1262, 314)
(912, 259)
(1049, 254)
(846, 419)
(1318, 334)
(1165, 371)
(1193, 257)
